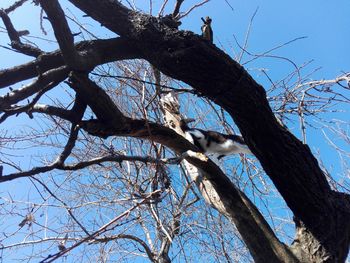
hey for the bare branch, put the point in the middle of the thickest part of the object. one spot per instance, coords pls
(15, 38)
(29, 107)
(54, 111)
(177, 8)
(96, 52)
(312, 84)
(105, 239)
(113, 158)
(244, 48)
(69, 210)
(63, 34)
(73, 115)
(78, 112)
(186, 13)
(102, 229)
(102, 105)
(33, 171)
(55, 75)
(69, 146)
(161, 10)
(265, 54)
(14, 6)
(38, 241)
(73, 167)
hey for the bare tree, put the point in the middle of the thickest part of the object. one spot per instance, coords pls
(102, 140)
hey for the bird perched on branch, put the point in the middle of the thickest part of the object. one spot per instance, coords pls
(214, 142)
(207, 32)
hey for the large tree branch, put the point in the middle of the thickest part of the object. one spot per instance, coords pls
(98, 100)
(55, 76)
(176, 11)
(64, 36)
(14, 6)
(98, 52)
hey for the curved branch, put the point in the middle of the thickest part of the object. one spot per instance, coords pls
(81, 165)
(37, 241)
(55, 75)
(27, 108)
(96, 52)
(73, 136)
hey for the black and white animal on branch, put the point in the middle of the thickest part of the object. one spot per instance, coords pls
(213, 142)
(207, 31)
